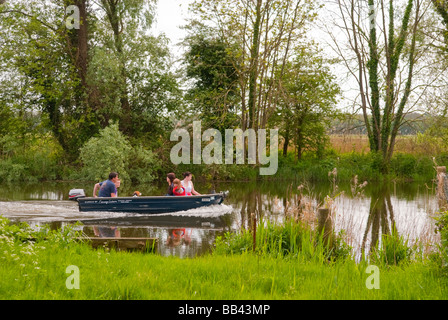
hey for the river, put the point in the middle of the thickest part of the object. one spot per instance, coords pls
(363, 213)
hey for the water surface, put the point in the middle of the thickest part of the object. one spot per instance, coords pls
(364, 214)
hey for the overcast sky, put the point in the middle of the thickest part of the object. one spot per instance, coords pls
(170, 16)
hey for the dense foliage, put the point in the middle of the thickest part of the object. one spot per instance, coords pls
(82, 95)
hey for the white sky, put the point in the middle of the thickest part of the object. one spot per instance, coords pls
(169, 17)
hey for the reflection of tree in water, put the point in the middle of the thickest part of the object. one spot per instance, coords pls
(378, 223)
(251, 208)
(286, 199)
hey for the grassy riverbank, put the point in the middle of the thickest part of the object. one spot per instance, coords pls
(37, 269)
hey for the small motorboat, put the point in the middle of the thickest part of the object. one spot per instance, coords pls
(147, 204)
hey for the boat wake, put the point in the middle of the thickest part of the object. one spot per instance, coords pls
(47, 211)
(205, 212)
(44, 211)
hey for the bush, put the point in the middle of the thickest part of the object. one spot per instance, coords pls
(143, 165)
(37, 159)
(403, 165)
(11, 171)
(111, 151)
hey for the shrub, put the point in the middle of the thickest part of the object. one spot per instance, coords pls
(108, 152)
(143, 165)
(111, 151)
(37, 159)
(403, 165)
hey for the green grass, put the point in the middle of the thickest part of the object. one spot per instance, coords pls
(37, 270)
(136, 276)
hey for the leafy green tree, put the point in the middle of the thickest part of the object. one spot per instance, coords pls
(105, 153)
(308, 102)
(262, 36)
(42, 52)
(132, 69)
(112, 151)
(214, 89)
(77, 80)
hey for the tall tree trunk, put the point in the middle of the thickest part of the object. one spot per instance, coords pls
(87, 97)
(82, 47)
(372, 66)
(115, 20)
(393, 52)
(286, 137)
(399, 114)
(254, 68)
(300, 138)
(357, 50)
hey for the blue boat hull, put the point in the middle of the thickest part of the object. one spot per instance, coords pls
(150, 205)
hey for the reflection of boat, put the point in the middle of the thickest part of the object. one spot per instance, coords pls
(149, 205)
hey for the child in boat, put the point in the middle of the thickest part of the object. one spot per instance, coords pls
(178, 190)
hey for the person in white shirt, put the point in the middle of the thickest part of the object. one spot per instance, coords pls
(188, 184)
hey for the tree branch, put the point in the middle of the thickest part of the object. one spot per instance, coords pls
(28, 15)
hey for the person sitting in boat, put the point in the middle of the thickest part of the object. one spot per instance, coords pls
(98, 186)
(170, 179)
(178, 190)
(188, 184)
(109, 187)
(136, 194)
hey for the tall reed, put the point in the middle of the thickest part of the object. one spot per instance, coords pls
(291, 239)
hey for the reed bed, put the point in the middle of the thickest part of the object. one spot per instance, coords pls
(409, 144)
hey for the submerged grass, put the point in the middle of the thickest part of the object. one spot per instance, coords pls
(33, 266)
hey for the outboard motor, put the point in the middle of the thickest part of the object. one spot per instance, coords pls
(74, 194)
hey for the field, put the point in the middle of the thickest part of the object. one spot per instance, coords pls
(412, 144)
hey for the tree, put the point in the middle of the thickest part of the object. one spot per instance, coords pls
(382, 59)
(262, 35)
(112, 151)
(132, 69)
(80, 79)
(214, 89)
(43, 52)
(441, 6)
(308, 98)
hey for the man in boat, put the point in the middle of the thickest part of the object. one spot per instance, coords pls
(108, 188)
